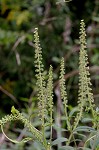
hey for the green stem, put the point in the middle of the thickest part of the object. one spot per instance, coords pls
(36, 133)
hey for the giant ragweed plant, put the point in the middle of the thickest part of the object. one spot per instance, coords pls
(45, 103)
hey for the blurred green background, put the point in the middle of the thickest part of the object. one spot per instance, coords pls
(59, 35)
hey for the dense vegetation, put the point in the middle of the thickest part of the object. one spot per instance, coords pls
(58, 28)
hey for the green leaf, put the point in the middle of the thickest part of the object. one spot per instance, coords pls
(85, 129)
(13, 110)
(96, 19)
(73, 111)
(86, 120)
(79, 134)
(67, 148)
(94, 142)
(56, 59)
(59, 140)
(59, 128)
(84, 148)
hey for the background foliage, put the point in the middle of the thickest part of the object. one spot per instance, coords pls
(59, 32)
